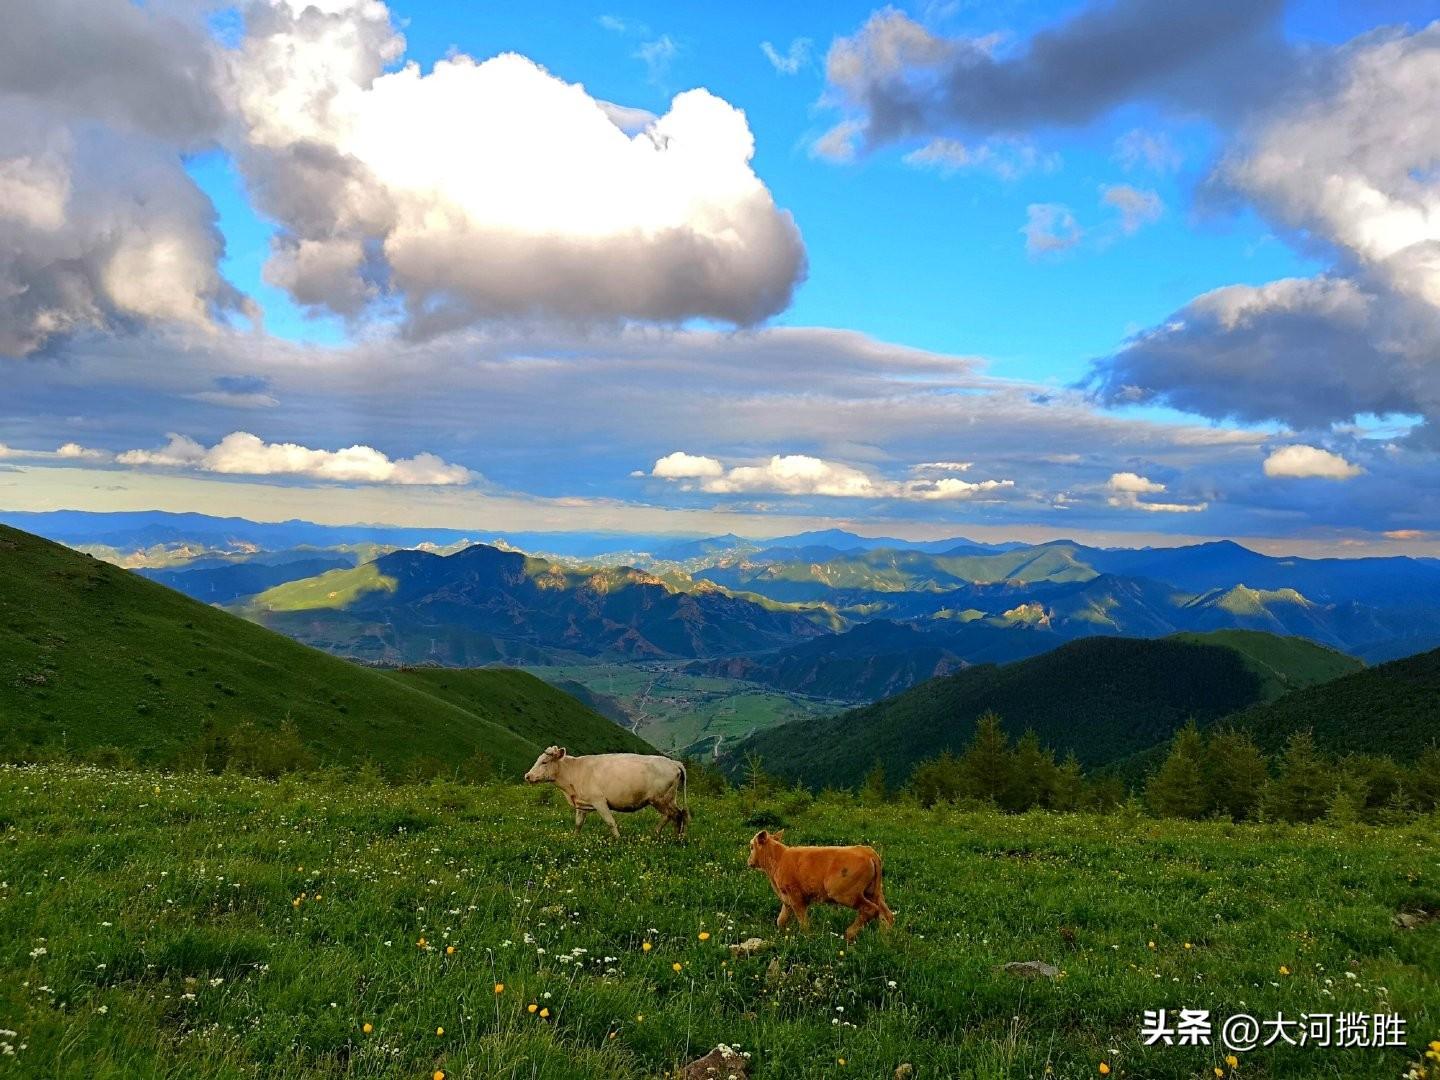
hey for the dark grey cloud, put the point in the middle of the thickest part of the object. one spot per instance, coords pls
(100, 225)
(1344, 163)
(125, 64)
(898, 80)
(1308, 352)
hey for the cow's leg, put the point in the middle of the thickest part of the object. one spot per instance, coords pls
(608, 817)
(783, 919)
(580, 813)
(864, 912)
(665, 809)
(877, 894)
(802, 916)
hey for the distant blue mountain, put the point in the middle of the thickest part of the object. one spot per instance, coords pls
(138, 530)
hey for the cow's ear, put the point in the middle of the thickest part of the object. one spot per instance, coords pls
(779, 834)
(762, 836)
(562, 752)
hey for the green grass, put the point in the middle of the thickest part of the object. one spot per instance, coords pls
(186, 926)
(94, 656)
(332, 590)
(1284, 663)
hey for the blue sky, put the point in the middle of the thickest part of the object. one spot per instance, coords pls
(1095, 305)
(904, 254)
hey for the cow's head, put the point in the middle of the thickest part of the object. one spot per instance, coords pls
(761, 843)
(546, 766)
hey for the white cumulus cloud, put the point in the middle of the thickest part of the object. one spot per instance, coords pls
(70, 451)
(802, 474)
(241, 453)
(1127, 491)
(492, 189)
(1303, 461)
(681, 466)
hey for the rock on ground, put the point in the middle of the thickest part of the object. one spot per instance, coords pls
(722, 1063)
(1032, 969)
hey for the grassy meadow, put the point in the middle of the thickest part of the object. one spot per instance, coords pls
(183, 925)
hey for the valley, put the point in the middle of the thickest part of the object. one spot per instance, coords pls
(679, 712)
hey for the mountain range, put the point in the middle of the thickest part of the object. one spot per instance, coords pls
(483, 604)
(94, 656)
(828, 613)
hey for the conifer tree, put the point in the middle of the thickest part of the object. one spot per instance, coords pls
(1302, 790)
(936, 780)
(1069, 788)
(1425, 780)
(987, 768)
(1177, 789)
(1235, 774)
(873, 790)
(1036, 773)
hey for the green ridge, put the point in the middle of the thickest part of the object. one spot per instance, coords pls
(92, 655)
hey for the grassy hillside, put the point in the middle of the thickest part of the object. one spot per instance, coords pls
(1285, 663)
(1391, 709)
(227, 583)
(1102, 698)
(190, 926)
(92, 655)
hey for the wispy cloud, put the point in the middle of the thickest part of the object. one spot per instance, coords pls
(799, 55)
(1050, 228)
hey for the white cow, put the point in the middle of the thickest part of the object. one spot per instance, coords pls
(606, 783)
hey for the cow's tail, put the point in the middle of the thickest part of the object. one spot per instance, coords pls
(875, 892)
(684, 799)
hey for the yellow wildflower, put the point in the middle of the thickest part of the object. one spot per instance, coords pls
(1104, 1069)
(676, 966)
(532, 1007)
(499, 988)
(1232, 1061)
(645, 946)
(544, 1014)
(367, 1027)
(439, 1031)
(449, 950)
(704, 935)
(1284, 970)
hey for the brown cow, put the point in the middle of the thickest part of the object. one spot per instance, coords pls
(800, 876)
